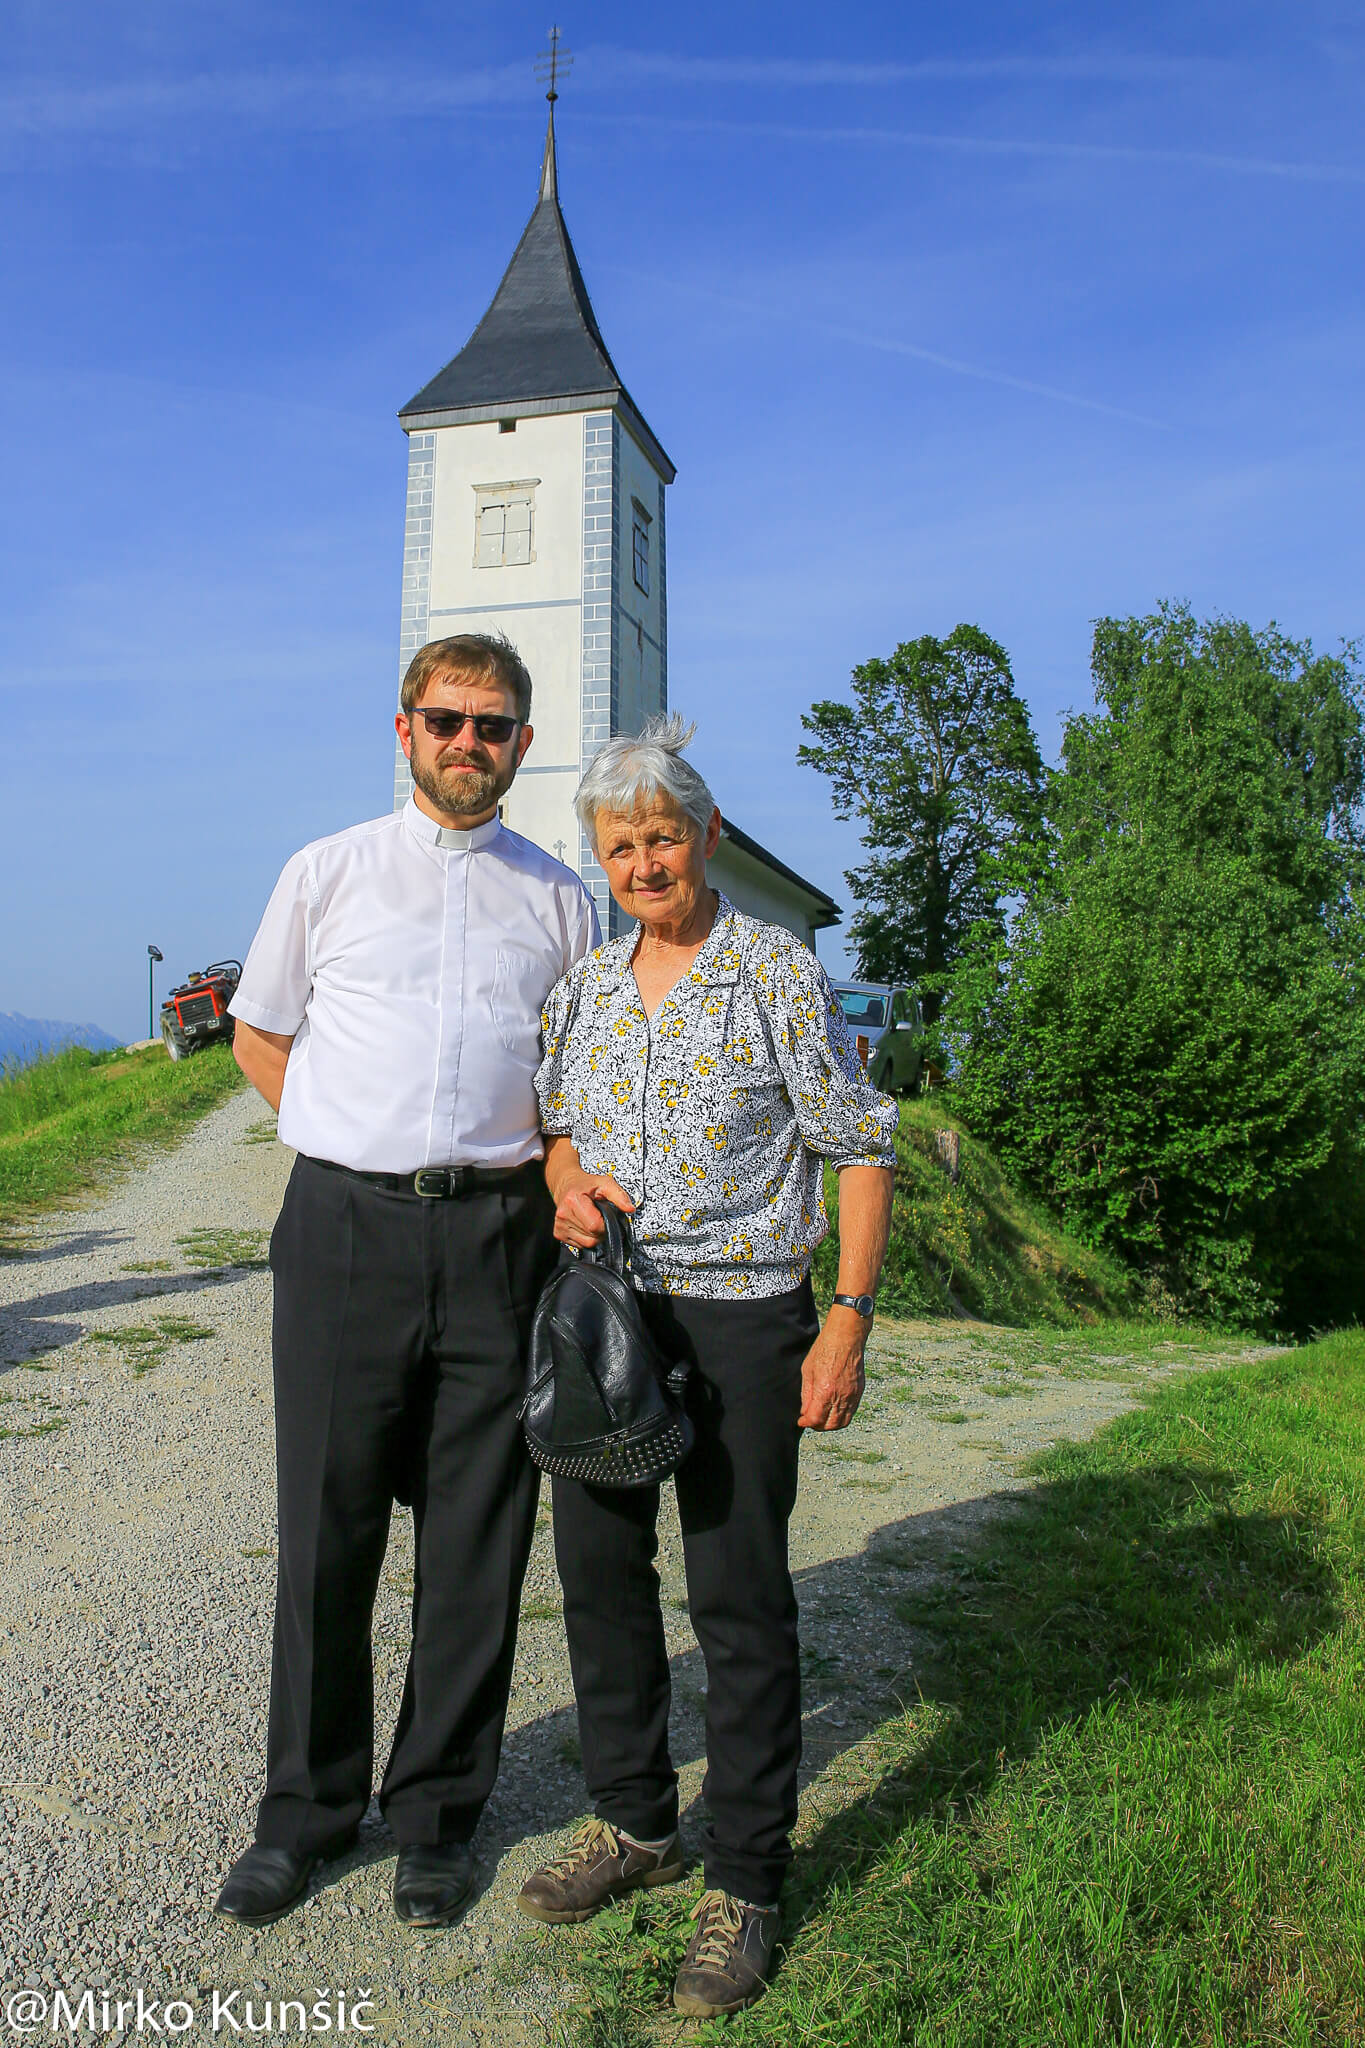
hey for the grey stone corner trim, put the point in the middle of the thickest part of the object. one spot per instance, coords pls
(414, 616)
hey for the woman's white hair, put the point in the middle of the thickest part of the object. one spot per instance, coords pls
(635, 767)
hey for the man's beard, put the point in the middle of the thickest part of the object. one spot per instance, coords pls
(461, 796)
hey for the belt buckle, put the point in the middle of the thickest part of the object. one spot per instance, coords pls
(432, 1182)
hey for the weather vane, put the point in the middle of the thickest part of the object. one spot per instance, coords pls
(552, 65)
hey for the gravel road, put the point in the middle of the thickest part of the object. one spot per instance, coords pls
(137, 1524)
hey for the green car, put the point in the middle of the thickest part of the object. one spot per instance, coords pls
(889, 1028)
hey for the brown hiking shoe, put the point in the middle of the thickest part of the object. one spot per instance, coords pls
(728, 1958)
(597, 1865)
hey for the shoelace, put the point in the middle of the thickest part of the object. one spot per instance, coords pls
(584, 1847)
(722, 1921)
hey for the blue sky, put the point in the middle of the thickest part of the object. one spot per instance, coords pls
(1012, 314)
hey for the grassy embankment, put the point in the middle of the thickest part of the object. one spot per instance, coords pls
(1126, 1804)
(65, 1120)
(980, 1246)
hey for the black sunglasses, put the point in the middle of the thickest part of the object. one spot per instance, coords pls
(494, 728)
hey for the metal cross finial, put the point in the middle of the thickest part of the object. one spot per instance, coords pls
(552, 65)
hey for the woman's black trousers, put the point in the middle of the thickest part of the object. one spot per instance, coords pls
(736, 1491)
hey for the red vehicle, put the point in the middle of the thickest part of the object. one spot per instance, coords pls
(196, 1014)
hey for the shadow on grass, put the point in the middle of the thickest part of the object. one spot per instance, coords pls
(1147, 1584)
(1135, 1585)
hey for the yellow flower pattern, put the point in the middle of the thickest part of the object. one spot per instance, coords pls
(748, 1060)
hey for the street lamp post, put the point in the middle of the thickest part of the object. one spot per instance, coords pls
(153, 955)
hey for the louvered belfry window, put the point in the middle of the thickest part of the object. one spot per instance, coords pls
(504, 525)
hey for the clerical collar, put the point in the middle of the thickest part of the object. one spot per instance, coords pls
(447, 836)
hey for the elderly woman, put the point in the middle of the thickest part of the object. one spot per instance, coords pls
(697, 1074)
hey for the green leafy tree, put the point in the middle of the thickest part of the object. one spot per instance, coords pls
(936, 759)
(1170, 1041)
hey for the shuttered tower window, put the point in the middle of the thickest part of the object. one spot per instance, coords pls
(504, 525)
(640, 545)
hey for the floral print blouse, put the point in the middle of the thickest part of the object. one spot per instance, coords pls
(715, 1115)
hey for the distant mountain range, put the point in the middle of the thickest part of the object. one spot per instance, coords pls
(23, 1038)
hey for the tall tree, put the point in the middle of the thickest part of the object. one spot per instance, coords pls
(1170, 1042)
(936, 758)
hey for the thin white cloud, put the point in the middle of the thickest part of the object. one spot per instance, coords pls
(299, 97)
(988, 145)
(861, 337)
(331, 94)
(892, 345)
(1118, 67)
(352, 97)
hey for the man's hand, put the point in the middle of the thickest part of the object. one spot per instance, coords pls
(577, 1221)
(832, 1378)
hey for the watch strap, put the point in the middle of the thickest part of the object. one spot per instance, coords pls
(864, 1304)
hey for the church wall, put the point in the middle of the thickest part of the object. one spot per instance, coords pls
(599, 671)
(543, 452)
(537, 603)
(640, 689)
(755, 889)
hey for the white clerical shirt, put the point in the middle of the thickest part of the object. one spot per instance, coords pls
(411, 962)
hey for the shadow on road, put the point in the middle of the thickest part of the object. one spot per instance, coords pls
(45, 1322)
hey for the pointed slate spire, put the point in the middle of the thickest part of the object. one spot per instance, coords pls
(549, 170)
(538, 348)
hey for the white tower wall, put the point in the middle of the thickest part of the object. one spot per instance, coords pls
(569, 596)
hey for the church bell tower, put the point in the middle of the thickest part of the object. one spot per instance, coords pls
(535, 508)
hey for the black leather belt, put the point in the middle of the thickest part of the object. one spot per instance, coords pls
(436, 1183)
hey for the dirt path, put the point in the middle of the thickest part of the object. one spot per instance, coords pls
(137, 1526)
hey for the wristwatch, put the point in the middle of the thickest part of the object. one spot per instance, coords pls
(865, 1304)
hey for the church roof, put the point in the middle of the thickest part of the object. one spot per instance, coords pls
(538, 348)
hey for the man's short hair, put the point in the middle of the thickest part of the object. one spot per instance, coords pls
(471, 658)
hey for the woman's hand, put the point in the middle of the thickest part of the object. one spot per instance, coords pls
(832, 1377)
(577, 1221)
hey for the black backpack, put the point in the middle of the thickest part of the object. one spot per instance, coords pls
(603, 1404)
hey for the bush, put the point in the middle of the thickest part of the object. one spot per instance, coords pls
(1170, 1044)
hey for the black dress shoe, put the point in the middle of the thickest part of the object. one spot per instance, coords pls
(264, 1885)
(431, 1881)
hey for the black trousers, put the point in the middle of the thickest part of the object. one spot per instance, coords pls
(736, 1491)
(399, 1338)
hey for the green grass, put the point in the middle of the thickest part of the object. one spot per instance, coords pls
(216, 1250)
(66, 1121)
(981, 1246)
(1125, 1804)
(144, 1345)
(24, 1415)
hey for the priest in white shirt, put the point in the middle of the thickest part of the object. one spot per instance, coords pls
(390, 1011)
